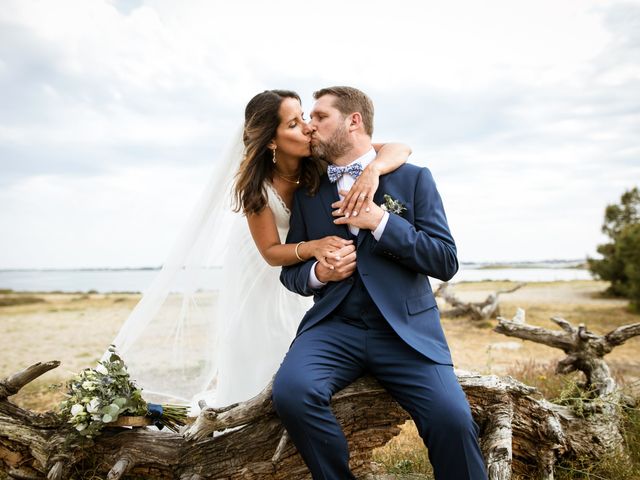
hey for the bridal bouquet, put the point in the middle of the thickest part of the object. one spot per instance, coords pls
(98, 396)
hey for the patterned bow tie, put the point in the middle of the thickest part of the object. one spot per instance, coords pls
(334, 173)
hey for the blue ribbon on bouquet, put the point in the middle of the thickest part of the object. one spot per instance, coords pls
(154, 411)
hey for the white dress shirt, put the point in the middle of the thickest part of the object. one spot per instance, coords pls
(345, 182)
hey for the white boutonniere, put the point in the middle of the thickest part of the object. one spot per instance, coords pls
(392, 205)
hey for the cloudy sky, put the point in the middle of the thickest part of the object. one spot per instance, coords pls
(113, 113)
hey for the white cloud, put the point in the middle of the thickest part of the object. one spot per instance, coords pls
(129, 218)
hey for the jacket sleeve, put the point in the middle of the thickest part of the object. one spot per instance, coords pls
(296, 277)
(427, 245)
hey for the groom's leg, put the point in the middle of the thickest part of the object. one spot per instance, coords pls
(430, 392)
(320, 362)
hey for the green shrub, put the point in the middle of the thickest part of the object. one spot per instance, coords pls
(620, 262)
(628, 249)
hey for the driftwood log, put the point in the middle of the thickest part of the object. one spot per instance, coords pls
(520, 432)
(488, 308)
(585, 350)
(600, 401)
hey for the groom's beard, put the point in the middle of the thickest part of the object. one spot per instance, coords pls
(335, 147)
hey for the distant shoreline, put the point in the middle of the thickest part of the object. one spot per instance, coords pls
(129, 280)
(502, 266)
(576, 263)
(86, 269)
(10, 292)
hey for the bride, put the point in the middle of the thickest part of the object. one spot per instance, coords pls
(216, 322)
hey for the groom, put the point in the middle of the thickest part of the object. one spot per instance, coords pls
(374, 312)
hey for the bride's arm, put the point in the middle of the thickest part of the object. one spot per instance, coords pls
(389, 157)
(265, 235)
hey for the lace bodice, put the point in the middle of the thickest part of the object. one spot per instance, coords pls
(280, 211)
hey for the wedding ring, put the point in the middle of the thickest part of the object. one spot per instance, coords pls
(363, 196)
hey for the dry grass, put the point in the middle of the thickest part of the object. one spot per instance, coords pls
(476, 347)
(76, 329)
(404, 454)
(73, 328)
(11, 300)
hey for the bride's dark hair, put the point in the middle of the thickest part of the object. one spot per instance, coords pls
(261, 120)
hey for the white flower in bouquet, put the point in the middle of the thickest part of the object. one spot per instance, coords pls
(89, 385)
(93, 405)
(76, 409)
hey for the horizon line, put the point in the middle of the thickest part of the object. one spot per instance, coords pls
(153, 268)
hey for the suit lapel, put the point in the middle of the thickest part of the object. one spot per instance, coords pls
(378, 199)
(361, 235)
(328, 193)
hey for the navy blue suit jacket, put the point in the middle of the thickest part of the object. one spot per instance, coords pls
(394, 270)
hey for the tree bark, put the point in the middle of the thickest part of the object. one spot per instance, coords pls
(520, 432)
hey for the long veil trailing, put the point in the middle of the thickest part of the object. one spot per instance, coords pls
(170, 341)
(216, 322)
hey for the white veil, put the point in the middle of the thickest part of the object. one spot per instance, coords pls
(169, 341)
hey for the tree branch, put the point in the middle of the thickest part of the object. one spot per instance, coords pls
(12, 385)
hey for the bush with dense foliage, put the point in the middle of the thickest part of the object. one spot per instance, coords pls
(620, 262)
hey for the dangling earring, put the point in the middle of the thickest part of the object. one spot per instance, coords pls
(274, 155)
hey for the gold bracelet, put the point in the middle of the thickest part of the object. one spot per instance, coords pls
(296, 250)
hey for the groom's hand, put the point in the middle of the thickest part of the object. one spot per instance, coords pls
(367, 220)
(343, 265)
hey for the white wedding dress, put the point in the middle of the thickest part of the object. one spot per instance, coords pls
(216, 322)
(264, 315)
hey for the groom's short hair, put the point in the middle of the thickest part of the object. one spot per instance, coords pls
(350, 100)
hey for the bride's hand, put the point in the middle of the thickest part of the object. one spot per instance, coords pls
(361, 194)
(326, 248)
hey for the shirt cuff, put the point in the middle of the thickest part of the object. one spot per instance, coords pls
(314, 283)
(377, 233)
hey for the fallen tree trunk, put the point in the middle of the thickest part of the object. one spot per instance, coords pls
(488, 308)
(520, 432)
(585, 350)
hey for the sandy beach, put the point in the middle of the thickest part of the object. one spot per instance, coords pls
(76, 329)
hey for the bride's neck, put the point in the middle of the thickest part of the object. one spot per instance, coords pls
(286, 165)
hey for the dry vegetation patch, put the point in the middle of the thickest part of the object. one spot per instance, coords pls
(77, 328)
